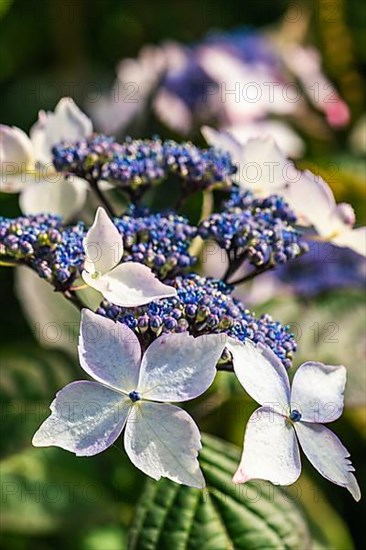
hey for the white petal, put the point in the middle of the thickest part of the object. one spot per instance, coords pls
(16, 147)
(67, 122)
(15, 183)
(16, 157)
(264, 168)
(318, 391)
(225, 141)
(163, 441)
(261, 373)
(313, 202)
(327, 454)
(109, 351)
(178, 367)
(270, 450)
(64, 197)
(103, 245)
(173, 112)
(287, 140)
(86, 419)
(354, 239)
(131, 284)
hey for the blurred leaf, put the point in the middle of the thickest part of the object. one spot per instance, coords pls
(108, 538)
(256, 515)
(29, 380)
(41, 493)
(53, 320)
(5, 7)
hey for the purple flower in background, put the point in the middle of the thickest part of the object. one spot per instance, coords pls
(324, 267)
(238, 81)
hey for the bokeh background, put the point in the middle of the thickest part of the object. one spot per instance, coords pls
(55, 48)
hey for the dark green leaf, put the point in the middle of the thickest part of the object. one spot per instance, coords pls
(224, 516)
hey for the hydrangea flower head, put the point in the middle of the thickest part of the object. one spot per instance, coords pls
(127, 284)
(56, 252)
(133, 392)
(289, 417)
(159, 240)
(263, 169)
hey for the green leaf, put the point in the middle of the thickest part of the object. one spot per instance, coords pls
(47, 491)
(29, 380)
(253, 516)
(5, 6)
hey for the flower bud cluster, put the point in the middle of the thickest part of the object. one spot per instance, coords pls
(204, 306)
(138, 164)
(258, 230)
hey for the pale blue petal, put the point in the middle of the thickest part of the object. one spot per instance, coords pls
(131, 284)
(318, 391)
(271, 451)
(178, 367)
(163, 441)
(261, 373)
(63, 197)
(86, 419)
(328, 455)
(66, 122)
(355, 239)
(103, 245)
(109, 351)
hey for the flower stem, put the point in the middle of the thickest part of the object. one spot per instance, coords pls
(234, 265)
(73, 299)
(206, 210)
(94, 185)
(8, 264)
(227, 367)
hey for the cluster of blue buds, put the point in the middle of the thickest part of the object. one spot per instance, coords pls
(137, 164)
(203, 306)
(160, 241)
(56, 251)
(257, 230)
